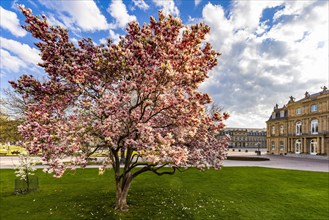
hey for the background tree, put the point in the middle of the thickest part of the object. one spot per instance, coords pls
(8, 128)
(214, 108)
(13, 104)
(13, 107)
(139, 95)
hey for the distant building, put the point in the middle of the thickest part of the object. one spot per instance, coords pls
(300, 127)
(245, 137)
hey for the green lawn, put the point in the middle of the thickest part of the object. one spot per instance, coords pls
(232, 193)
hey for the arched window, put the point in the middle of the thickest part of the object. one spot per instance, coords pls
(299, 128)
(314, 126)
(273, 129)
(313, 147)
(298, 146)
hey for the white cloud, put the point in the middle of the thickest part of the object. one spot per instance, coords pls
(256, 72)
(103, 41)
(118, 11)
(168, 7)
(55, 22)
(74, 41)
(85, 14)
(246, 14)
(114, 37)
(23, 51)
(197, 2)
(11, 63)
(141, 4)
(292, 8)
(17, 58)
(10, 22)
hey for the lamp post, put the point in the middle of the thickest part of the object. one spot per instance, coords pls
(258, 146)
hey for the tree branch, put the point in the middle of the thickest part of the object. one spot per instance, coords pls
(165, 172)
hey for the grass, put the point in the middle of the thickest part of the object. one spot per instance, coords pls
(232, 193)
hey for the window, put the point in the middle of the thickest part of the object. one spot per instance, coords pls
(273, 145)
(281, 145)
(314, 108)
(299, 128)
(281, 114)
(281, 129)
(298, 111)
(313, 147)
(273, 129)
(314, 126)
(298, 146)
(273, 115)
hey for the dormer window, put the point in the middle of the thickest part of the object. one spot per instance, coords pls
(298, 111)
(281, 114)
(314, 108)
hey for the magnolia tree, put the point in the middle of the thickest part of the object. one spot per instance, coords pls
(138, 96)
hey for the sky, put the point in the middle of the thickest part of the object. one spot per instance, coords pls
(271, 50)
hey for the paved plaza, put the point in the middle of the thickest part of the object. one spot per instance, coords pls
(282, 162)
(317, 163)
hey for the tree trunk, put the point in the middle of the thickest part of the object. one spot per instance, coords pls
(122, 188)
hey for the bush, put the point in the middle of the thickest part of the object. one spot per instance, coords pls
(15, 152)
(247, 158)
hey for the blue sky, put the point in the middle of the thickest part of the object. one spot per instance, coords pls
(270, 49)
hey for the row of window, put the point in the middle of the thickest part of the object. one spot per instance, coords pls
(277, 115)
(281, 145)
(298, 146)
(248, 134)
(314, 108)
(247, 139)
(243, 144)
(314, 127)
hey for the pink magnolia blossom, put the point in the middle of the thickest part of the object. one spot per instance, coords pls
(138, 97)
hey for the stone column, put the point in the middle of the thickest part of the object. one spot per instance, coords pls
(322, 146)
(292, 145)
(318, 145)
(304, 146)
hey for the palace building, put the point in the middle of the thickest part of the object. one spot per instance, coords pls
(300, 127)
(245, 137)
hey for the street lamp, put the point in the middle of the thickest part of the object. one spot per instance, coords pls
(258, 146)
